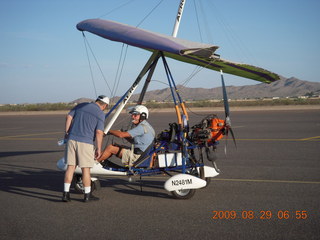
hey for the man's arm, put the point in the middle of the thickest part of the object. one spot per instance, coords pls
(68, 124)
(99, 138)
(119, 134)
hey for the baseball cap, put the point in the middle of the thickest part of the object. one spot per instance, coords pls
(104, 99)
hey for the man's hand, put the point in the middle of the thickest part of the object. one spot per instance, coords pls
(97, 153)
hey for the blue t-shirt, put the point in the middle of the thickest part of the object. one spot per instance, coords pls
(87, 118)
(142, 135)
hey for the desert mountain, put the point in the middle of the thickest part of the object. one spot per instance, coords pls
(290, 87)
(286, 87)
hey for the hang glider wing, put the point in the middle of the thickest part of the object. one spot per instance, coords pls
(182, 50)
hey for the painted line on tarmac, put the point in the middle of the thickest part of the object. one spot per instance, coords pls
(260, 139)
(13, 128)
(27, 139)
(311, 138)
(26, 136)
(277, 140)
(265, 181)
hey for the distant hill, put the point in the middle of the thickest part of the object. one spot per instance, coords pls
(290, 87)
(81, 100)
(286, 87)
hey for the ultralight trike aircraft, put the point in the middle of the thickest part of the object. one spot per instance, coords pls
(177, 152)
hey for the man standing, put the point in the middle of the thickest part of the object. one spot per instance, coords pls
(84, 126)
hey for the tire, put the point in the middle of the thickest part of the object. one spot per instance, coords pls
(195, 173)
(207, 179)
(183, 194)
(78, 185)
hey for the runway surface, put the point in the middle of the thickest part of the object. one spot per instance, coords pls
(269, 187)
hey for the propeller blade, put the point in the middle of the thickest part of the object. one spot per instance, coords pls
(234, 139)
(225, 96)
(227, 130)
(227, 114)
(227, 134)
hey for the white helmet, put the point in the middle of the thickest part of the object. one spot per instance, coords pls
(139, 109)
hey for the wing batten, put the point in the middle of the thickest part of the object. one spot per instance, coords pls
(182, 50)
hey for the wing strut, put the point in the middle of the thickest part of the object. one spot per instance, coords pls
(147, 82)
(171, 82)
(174, 34)
(183, 119)
(123, 101)
(178, 18)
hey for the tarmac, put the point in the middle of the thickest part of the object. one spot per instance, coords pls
(268, 188)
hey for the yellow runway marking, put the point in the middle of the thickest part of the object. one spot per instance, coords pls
(27, 137)
(317, 138)
(311, 138)
(13, 128)
(259, 139)
(265, 181)
(11, 138)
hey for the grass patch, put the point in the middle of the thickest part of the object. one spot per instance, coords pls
(194, 104)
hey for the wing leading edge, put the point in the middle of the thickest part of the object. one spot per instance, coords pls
(182, 50)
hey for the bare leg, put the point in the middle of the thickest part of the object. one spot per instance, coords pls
(108, 152)
(67, 182)
(69, 174)
(86, 178)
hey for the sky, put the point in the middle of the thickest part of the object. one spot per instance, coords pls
(43, 57)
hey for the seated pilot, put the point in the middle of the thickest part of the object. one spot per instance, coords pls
(141, 136)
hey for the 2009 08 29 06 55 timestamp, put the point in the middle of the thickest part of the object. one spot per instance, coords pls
(262, 214)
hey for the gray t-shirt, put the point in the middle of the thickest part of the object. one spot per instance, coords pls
(87, 118)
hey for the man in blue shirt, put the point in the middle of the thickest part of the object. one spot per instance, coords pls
(84, 126)
(141, 136)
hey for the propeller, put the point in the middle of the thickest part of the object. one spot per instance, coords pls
(227, 114)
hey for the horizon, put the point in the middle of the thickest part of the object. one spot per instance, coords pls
(87, 99)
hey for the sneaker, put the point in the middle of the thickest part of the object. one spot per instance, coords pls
(66, 197)
(89, 197)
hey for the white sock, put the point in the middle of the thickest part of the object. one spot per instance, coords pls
(87, 190)
(67, 187)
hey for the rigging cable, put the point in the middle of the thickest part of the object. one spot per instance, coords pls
(239, 47)
(104, 78)
(119, 70)
(94, 86)
(194, 73)
(206, 22)
(197, 69)
(154, 8)
(198, 23)
(116, 8)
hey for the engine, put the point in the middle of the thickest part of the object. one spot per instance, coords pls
(209, 130)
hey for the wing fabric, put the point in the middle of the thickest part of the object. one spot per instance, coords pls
(182, 50)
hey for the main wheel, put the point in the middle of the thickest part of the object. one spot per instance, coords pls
(184, 193)
(207, 179)
(78, 184)
(194, 172)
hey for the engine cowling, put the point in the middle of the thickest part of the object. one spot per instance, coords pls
(209, 130)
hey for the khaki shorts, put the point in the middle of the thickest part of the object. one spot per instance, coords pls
(128, 157)
(79, 153)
